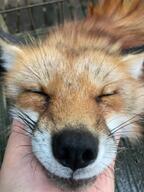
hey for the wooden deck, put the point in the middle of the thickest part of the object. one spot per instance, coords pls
(37, 19)
(130, 168)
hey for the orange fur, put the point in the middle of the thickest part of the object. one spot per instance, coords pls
(78, 78)
(122, 20)
(79, 62)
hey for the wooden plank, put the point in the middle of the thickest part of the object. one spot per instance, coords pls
(50, 14)
(2, 4)
(75, 9)
(3, 25)
(130, 167)
(36, 15)
(3, 123)
(24, 17)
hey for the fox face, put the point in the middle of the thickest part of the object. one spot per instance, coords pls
(75, 104)
(76, 94)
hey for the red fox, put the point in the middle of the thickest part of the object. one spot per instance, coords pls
(79, 89)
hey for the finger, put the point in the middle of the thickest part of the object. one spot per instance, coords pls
(15, 147)
(17, 174)
(17, 166)
(14, 161)
(105, 182)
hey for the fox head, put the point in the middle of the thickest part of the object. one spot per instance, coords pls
(76, 93)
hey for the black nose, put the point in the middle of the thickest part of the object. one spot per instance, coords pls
(75, 148)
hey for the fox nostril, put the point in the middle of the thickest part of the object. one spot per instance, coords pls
(88, 155)
(64, 154)
(75, 149)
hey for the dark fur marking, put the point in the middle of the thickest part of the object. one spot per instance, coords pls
(2, 70)
(9, 39)
(133, 50)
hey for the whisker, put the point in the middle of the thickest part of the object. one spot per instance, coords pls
(123, 123)
(123, 127)
(25, 118)
(20, 133)
(126, 123)
(110, 71)
(24, 129)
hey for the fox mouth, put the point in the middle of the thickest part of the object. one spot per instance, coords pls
(71, 184)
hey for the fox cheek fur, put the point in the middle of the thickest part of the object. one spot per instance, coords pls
(76, 91)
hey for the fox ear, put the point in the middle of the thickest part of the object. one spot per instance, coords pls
(8, 53)
(135, 64)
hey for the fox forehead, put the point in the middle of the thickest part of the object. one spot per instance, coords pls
(41, 65)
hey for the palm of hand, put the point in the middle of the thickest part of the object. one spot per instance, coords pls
(21, 172)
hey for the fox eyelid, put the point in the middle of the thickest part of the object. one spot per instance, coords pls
(39, 92)
(99, 98)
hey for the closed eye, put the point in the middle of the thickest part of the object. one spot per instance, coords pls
(100, 97)
(38, 92)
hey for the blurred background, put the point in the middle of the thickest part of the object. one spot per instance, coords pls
(37, 17)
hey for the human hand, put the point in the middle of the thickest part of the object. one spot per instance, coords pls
(21, 172)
